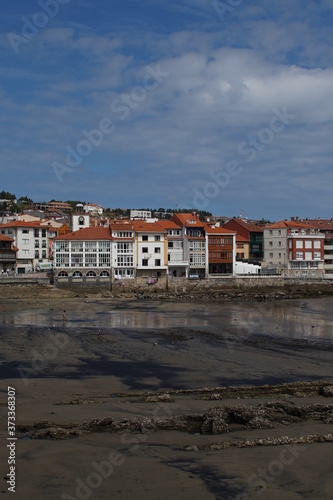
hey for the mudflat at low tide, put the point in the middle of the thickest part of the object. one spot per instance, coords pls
(156, 400)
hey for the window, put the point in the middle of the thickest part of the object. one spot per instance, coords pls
(144, 249)
(43, 233)
(36, 254)
(145, 262)
(90, 246)
(36, 233)
(308, 244)
(77, 274)
(43, 243)
(314, 265)
(170, 244)
(62, 260)
(157, 249)
(36, 244)
(271, 255)
(90, 259)
(43, 254)
(157, 262)
(91, 274)
(271, 232)
(299, 243)
(317, 255)
(63, 274)
(280, 255)
(77, 246)
(104, 260)
(77, 260)
(308, 255)
(317, 244)
(25, 231)
(157, 237)
(145, 237)
(104, 246)
(104, 274)
(123, 273)
(197, 246)
(62, 246)
(279, 232)
(125, 260)
(270, 243)
(299, 255)
(280, 243)
(125, 247)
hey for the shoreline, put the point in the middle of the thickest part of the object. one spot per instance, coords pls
(213, 293)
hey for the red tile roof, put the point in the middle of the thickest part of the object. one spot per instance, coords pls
(322, 224)
(241, 239)
(289, 224)
(88, 233)
(148, 227)
(5, 238)
(253, 228)
(185, 218)
(218, 230)
(20, 223)
(122, 226)
(169, 224)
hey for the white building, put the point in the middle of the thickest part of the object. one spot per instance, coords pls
(93, 209)
(140, 214)
(123, 250)
(80, 220)
(151, 254)
(32, 241)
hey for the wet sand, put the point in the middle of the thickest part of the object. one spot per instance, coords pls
(115, 371)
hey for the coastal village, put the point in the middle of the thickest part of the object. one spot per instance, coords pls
(86, 242)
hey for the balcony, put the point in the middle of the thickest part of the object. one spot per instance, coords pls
(174, 263)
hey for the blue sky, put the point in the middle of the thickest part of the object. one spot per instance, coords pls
(224, 106)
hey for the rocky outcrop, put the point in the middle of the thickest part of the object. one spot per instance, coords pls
(217, 420)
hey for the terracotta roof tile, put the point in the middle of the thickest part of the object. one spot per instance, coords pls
(88, 233)
(3, 237)
(148, 227)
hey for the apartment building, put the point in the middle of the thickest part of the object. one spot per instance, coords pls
(32, 241)
(253, 234)
(151, 250)
(296, 247)
(276, 246)
(86, 252)
(325, 226)
(123, 249)
(7, 254)
(210, 249)
(194, 240)
(221, 251)
(177, 261)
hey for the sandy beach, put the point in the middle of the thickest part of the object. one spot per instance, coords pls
(161, 400)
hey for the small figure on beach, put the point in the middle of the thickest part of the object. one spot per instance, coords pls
(64, 315)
